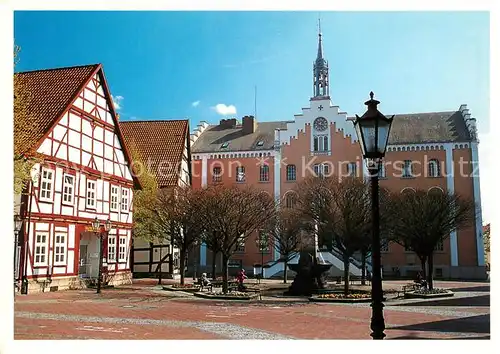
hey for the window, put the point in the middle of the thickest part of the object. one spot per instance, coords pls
(124, 202)
(115, 194)
(111, 248)
(240, 245)
(434, 168)
(46, 185)
(407, 169)
(224, 145)
(68, 187)
(384, 245)
(122, 249)
(290, 200)
(217, 174)
(439, 246)
(264, 173)
(351, 169)
(60, 248)
(382, 172)
(41, 248)
(260, 143)
(321, 143)
(321, 170)
(240, 174)
(91, 194)
(291, 173)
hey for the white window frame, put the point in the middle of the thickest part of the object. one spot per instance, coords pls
(321, 143)
(39, 245)
(264, 173)
(408, 169)
(124, 200)
(122, 249)
(240, 174)
(111, 248)
(68, 191)
(91, 190)
(433, 166)
(240, 245)
(217, 174)
(114, 198)
(49, 182)
(352, 169)
(60, 250)
(321, 169)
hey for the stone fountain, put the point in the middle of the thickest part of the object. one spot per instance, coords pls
(310, 270)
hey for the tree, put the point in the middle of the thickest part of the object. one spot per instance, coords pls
(340, 208)
(233, 214)
(420, 221)
(176, 215)
(285, 231)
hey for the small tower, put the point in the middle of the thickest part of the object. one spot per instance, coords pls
(320, 71)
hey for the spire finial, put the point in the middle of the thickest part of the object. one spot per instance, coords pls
(371, 95)
(319, 25)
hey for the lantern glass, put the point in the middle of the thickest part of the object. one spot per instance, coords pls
(384, 126)
(95, 225)
(107, 225)
(18, 221)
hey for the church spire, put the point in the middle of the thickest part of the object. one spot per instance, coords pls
(320, 69)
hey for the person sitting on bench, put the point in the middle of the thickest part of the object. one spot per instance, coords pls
(204, 282)
(420, 280)
(240, 278)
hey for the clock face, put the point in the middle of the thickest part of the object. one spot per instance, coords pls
(320, 124)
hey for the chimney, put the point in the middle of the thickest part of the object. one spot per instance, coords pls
(228, 123)
(249, 125)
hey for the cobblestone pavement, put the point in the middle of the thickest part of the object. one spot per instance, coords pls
(144, 311)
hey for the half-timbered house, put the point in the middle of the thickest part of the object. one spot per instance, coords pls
(164, 149)
(70, 123)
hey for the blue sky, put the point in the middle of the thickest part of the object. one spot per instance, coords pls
(163, 63)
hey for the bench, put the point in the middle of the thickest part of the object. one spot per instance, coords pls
(408, 287)
(218, 284)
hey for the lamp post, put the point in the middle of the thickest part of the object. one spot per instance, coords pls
(373, 130)
(262, 244)
(18, 222)
(97, 228)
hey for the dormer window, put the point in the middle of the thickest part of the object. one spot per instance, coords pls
(225, 145)
(260, 143)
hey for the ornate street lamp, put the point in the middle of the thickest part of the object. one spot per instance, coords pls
(18, 223)
(373, 134)
(97, 228)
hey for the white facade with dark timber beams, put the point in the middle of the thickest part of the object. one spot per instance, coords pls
(84, 174)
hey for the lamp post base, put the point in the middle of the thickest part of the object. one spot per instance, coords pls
(377, 322)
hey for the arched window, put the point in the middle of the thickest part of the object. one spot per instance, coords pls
(435, 191)
(290, 199)
(291, 173)
(408, 190)
(264, 173)
(433, 168)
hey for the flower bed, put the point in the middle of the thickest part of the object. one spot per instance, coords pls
(340, 297)
(233, 295)
(429, 294)
(182, 287)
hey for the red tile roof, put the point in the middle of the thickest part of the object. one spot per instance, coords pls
(160, 144)
(43, 96)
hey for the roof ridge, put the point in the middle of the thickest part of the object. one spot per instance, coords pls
(60, 68)
(154, 120)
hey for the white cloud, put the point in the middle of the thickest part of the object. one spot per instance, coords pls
(224, 110)
(117, 101)
(195, 103)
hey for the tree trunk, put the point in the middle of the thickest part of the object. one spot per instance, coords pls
(430, 264)
(182, 262)
(286, 272)
(346, 275)
(225, 261)
(424, 271)
(214, 259)
(363, 267)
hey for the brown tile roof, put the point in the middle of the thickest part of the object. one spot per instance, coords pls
(161, 146)
(214, 136)
(44, 95)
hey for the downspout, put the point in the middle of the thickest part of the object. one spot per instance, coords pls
(24, 284)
